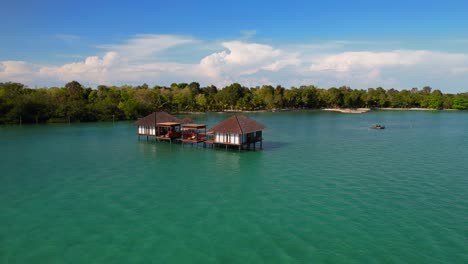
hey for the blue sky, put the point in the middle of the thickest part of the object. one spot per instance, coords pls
(393, 44)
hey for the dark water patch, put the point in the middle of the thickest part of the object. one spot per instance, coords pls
(272, 145)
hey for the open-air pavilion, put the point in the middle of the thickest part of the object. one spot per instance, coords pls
(193, 133)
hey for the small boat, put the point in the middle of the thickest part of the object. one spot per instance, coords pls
(378, 126)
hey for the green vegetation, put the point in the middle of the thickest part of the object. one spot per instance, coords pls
(74, 103)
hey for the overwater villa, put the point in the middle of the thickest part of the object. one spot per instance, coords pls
(237, 131)
(160, 125)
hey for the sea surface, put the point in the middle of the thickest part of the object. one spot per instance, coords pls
(325, 189)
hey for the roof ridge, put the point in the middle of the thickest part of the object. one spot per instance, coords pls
(240, 127)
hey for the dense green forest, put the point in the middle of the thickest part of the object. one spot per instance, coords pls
(74, 103)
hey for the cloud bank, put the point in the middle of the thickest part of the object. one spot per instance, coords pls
(146, 58)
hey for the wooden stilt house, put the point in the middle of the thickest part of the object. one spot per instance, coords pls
(161, 125)
(239, 131)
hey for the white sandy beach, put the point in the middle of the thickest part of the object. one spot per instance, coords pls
(348, 110)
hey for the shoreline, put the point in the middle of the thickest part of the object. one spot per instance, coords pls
(414, 109)
(359, 110)
(338, 110)
(348, 110)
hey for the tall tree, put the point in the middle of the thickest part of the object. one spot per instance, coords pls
(230, 94)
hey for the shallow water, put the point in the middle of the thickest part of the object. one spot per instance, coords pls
(325, 189)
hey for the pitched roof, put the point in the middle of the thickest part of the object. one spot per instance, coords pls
(237, 125)
(187, 120)
(156, 117)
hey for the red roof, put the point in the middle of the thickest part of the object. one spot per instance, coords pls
(157, 117)
(187, 120)
(237, 125)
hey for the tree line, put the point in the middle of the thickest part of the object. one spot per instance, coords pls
(75, 103)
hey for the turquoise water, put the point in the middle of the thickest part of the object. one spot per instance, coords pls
(325, 189)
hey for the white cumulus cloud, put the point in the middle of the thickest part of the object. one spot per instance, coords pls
(93, 69)
(389, 68)
(18, 71)
(147, 58)
(347, 61)
(242, 58)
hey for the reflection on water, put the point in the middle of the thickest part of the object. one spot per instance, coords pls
(272, 145)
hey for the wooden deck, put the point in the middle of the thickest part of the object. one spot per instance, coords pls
(191, 141)
(165, 138)
(221, 143)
